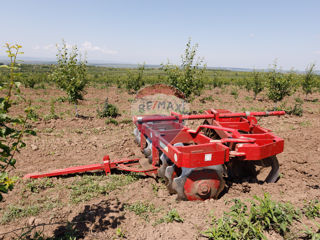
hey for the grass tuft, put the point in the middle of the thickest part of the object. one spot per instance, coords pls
(243, 222)
(37, 185)
(90, 186)
(141, 209)
(312, 209)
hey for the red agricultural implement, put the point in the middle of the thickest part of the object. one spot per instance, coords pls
(194, 163)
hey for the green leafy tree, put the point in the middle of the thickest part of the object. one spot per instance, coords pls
(309, 80)
(189, 77)
(135, 81)
(13, 128)
(248, 84)
(70, 73)
(257, 83)
(279, 85)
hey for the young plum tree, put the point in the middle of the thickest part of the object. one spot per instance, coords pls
(70, 73)
(189, 77)
(12, 128)
(309, 80)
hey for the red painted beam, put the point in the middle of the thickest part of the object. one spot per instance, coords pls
(106, 166)
(253, 114)
(70, 170)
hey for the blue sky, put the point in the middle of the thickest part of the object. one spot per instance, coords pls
(229, 33)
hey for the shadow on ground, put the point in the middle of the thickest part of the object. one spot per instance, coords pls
(93, 219)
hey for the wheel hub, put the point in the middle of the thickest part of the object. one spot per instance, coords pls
(198, 184)
(203, 189)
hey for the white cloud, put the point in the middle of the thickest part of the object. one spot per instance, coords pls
(317, 52)
(85, 47)
(251, 35)
(89, 47)
(49, 47)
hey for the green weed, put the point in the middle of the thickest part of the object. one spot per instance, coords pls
(155, 188)
(306, 123)
(41, 100)
(312, 234)
(109, 110)
(33, 115)
(120, 233)
(141, 209)
(78, 131)
(47, 130)
(111, 121)
(273, 215)
(205, 99)
(235, 93)
(248, 99)
(37, 185)
(88, 187)
(61, 99)
(312, 209)
(297, 109)
(243, 223)
(41, 85)
(173, 216)
(126, 121)
(52, 114)
(13, 212)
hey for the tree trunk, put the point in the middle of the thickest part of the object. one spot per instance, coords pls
(76, 108)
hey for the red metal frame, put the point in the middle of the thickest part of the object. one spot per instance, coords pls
(266, 143)
(107, 166)
(239, 136)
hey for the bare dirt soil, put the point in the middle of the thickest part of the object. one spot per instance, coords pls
(54, 209)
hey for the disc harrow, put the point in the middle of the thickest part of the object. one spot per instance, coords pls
(195, 163)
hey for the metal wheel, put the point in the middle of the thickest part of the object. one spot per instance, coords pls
(274, 173)
(199, 183)
(148, 150)
(254, 171)
(170, 174)
(202, 184)
(168, 170)
(136, 133)
(164, 164)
